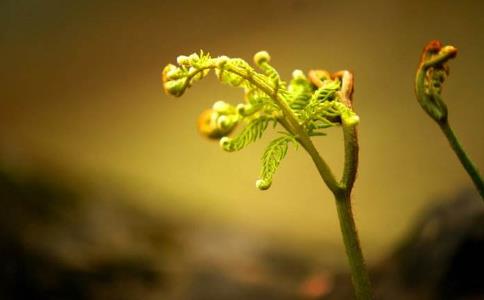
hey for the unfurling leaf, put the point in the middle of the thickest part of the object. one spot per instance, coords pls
(249, 134)
(275, 152)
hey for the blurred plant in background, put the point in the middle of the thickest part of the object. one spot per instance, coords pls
(431, 74)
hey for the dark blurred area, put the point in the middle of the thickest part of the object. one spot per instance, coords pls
(58, 242)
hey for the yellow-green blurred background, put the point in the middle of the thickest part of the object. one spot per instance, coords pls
(80, 90)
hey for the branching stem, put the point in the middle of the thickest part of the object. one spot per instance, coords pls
(342, 194)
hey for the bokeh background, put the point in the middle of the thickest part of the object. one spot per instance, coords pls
(81, 104)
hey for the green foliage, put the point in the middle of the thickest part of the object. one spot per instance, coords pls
(322, 111)
(300, 90)
(273, 155)
(302, 107)
(253, 131)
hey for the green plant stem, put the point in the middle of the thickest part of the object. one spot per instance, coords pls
(342, 194)
(464, 159)
(350, 136)
(359, 275)
(323, 169)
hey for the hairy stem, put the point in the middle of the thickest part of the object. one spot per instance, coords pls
(359, 274)
(350, 137)
(464, 159)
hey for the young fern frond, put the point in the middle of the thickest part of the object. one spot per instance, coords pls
(232, 71)
(324, 109)
(431, 74)
(260, 100)
(262, 59)
(327, 92)
(300, 90)
(236, 79)
(273, 155)
(252, 132)
(304, 108)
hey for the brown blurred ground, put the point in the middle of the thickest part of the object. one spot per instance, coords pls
(60, 242)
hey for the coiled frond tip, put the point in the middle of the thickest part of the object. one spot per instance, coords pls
(262, 185)
(261, 57)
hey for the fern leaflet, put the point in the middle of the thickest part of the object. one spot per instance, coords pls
(249, 134)
(271, 159)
